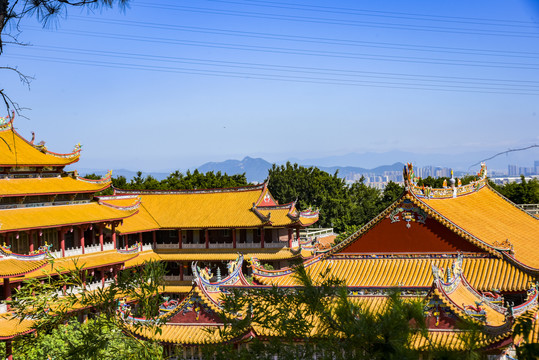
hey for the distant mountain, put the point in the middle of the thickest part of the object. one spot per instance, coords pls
(257, 169)
(254, 169)
(345, 171)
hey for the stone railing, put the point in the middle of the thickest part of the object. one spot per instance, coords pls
(315, 232)
(78, 250)
(221, 246)
(247, 245)
(168, 246)
(275, 245)
(147, 247)
(193, 246)
(532, 209)
(3, 308)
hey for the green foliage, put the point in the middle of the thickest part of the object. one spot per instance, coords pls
(525, 192)
(323, 316)
(93, 339)
(525, 328)
(340, 205)
(176, 181)
(348, 231)
(43, 301)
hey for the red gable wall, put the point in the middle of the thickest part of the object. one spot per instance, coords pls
(396, 237)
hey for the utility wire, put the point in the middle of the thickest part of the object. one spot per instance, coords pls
(311, 39)
(317, 20)
(291, 69)
(504, 152)
(379, 13)
(318, 53)
(277, 77)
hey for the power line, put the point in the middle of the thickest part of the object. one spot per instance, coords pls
(316, 20)
(504, 152)
(292, 69)
(379, 13)
(277, 77)
(317, 40)
(318, 53)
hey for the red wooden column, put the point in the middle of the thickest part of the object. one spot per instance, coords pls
(140, 240)
(297, 234)
(154, 237)
(115, 273)
(234, 238)
(290, 238)
(81, 234)
(114, 235)
(31, 240)
(7, 290)
(39, 238)
(84, 278)
(126, 240)
(181, 271)
(262, 237)
(102, 277)
(207, 238)
(179, 238)
(101, 235)
(6, 239)
(62, 234)
(9, 350)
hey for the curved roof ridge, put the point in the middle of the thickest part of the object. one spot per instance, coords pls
(189, 191)
(446, 192)
(104, 179)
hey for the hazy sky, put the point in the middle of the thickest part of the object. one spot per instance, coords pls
(173, 84)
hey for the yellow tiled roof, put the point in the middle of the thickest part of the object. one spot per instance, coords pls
(142, 221)
(209, 255)
(482, 273)
(201, 210)
(143, 257)
(15, 267)
(224, 254)
(59, 215)
(11, 327)
(87, 261)
(491, 219)
(19, 152)
(183, 334)
(177, 289)
(49, 185)
(196, 209)
(450, 340)
(461, 297)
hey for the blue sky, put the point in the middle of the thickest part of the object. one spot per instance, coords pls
(173, 84)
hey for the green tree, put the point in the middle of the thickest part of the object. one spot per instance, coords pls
(525, 192)
(317, 317)
(50, 307)
(312, 187)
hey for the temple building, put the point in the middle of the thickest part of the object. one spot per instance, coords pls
(49, 213)
(465, 250)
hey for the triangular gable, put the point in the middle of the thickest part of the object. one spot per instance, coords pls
(405, 227)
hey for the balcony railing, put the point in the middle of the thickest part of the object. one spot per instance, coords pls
(78, 250)
(168, 246)
(221, 246)
(275, 245)
(3, 308)
(193, 246)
